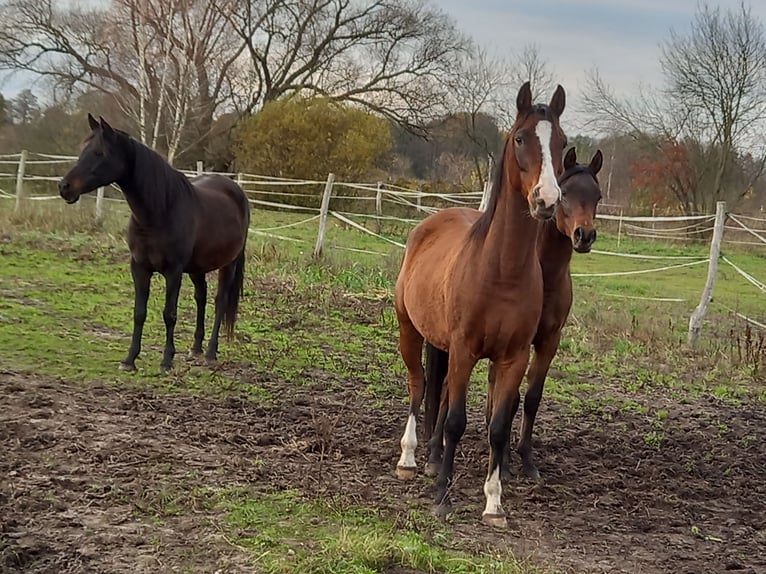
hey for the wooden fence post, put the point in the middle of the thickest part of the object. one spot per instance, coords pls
(199, 167)
(485, 195)
(698, 316)
(20, 179)
(619, 229)
(379, 205)
(99, 206)
(323, 214)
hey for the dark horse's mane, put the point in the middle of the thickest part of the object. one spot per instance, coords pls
(480, 228)
(159, 183)
(576, 169)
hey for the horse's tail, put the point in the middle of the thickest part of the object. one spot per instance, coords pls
(436, 372)
(233, 292)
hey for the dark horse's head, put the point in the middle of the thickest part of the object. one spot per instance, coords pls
(101, 161)
(580, 194)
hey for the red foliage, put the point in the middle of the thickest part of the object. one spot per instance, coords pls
(666, 176)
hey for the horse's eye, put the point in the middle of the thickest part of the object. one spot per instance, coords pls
(519, 140)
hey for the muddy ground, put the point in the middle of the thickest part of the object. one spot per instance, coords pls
(82, 467)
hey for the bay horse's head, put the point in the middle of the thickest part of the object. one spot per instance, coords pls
(537, 143)
(580, 194)
(102, 161)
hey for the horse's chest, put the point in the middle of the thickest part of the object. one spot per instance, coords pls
(155, 253)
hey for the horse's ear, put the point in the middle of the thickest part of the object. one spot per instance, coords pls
(524, 98)
(107, 129)
(558, 101)
(92, 122)
(570, 159)
(596, 162)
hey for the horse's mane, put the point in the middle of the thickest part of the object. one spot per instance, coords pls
(159, 183)
(480, 228)
(575, 170)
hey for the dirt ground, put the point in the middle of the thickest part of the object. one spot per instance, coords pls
(81, 468)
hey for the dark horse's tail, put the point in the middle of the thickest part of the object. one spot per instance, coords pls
(236, 287)
(436, 372)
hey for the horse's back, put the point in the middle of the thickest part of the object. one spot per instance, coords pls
(432, 249)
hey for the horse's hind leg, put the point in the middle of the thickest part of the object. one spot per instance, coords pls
(170, 315)
(141, 281)
(411, 349)
(200, 298)
(545, 350)
(225, 277)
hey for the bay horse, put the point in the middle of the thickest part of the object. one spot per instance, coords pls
(571, 230)
(470, 285)
(176, 226)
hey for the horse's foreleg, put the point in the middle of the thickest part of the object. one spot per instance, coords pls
(141, 281)
(411, 349)
(458, 375)
(169, 314)
(505, 468)
(509, 374)
(200, 298)
(545, 350)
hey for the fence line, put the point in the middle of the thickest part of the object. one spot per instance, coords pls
(260, 186)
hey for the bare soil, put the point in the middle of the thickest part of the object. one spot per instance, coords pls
(85, 469)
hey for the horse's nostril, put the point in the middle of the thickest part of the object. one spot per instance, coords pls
(536, 193)
(540, 203)
(578, 234)
(592, 236)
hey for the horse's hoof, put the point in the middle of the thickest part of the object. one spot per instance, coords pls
(406, 472)
(442, 510)
(194, 353)
(165, 369)
(506, 475)
(531, 472)
(432, 469)
(495, 520)
(127, 367)
(211, 360)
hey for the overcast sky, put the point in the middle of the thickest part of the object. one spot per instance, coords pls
(620, 38)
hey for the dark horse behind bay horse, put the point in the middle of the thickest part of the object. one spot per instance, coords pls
(470, 284)
(176, 226)
(571, 230)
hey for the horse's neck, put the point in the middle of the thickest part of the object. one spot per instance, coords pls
(554, 250)
(144, 208)
(510, 245)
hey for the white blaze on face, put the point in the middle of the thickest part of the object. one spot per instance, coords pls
(547, 184)
(409, 443)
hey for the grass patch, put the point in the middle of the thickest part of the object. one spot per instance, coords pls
(288, 534)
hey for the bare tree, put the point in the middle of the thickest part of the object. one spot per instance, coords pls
(391, 56)
(713, 105)
(718, 73)
(165, 62)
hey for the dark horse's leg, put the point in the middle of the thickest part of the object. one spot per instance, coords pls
(169, 314)
(141, 281)
(411, 349)
(436, 442)
(505, 391)
(458, 375)
(200, 297)
(545, 350)
(225, 279)
(505, 468)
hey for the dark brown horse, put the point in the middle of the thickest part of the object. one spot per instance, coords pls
(571, 229)
(176, 226)
(470, 284)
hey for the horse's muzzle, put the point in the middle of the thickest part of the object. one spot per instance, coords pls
(67, 193)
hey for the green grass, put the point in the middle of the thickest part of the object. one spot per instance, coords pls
(66, 310)
(289, 534)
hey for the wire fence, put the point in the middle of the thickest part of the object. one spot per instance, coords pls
(368, 207)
